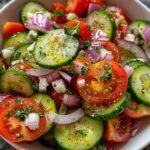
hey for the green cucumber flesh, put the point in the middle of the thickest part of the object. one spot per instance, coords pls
(55, 49)
(25, 54)
(48, 104)
(16, 81)
(14, 41)
(105, 112)
(101, 20)
(81, 135)
(139, 84)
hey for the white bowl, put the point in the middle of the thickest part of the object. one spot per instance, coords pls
(134, 10)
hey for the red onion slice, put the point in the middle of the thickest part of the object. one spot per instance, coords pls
(147, 33)
(129, 70)
(65, 119)
(130, 37)
(100, 36)
(39, 72)
(53, 76)
(93, 7)
(40, 23)
(59, 86)
(43, 84)
(3, 96)
(136, 50)
(81, 82)
(92, 55)
(33, 121)
(71, 100)
(65, 76)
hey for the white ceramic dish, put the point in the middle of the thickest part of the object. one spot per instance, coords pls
(134, 10)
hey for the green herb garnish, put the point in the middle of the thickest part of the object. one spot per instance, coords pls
(59, 12)
(74, 31)
(108, 74)
(84, 70)
(86, 44)
(18, 100)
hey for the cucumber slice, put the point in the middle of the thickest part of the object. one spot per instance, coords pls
(81, 135)
(137, 27)
(16, 81)
(25, 54)
(14, 41)
(55, 49)
(48, 105)
(101, 20)
(105, 112)
(31, 9)
(48, 140)
(135, 63)
(139, 84)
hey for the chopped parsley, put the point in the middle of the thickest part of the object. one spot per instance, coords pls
(85, 44)
(22, 114)
(84, 70)
(74, 31)
(8, 114)
(108, 74)
(18, 100)
(59, 12)
(70, 70)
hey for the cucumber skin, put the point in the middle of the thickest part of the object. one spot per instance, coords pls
(114, 113)
(113, 24)
(58, 65)
(134, 95)
(29, 79)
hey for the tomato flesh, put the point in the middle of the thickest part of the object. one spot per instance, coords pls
(13, 128)
(96, 91)
(113, 48)
(84, 31)
(23, 66)
(10, 28)
(118, 129)
(135, 110)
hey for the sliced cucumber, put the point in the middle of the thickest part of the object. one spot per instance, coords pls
(137, 28)
(25, 54)
(81, 135)
(135, 63)
(48, 104)
(55, 49)
(48, 140)
(14, 41)
(16, 81)
(101, 20)
(105, 112)
(139, 84)
(31, 9)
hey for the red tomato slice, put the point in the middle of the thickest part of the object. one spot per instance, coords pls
(98, 1)
(59, 11)
(118, 129)
(114, 49)
(23, 66)
(79, 7)
(83, 29)
(99, 90)
(57, 98)
(135, 110)
(13, 128)
(11, 28)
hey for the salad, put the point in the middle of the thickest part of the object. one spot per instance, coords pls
(74, 77)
